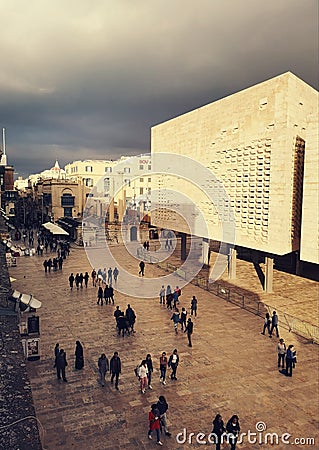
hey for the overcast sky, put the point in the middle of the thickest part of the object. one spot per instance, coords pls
(86, 79)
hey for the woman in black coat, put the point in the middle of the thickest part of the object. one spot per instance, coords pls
(79, 359)
(218, 430)
(233, 429)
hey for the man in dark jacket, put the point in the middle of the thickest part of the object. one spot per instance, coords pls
(115, 369)
(142, 268)
(162, 406)
(131, 317)
(189, 330)
(61, 363)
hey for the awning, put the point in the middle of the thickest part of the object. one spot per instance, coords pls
(26, 299)
(55, 229)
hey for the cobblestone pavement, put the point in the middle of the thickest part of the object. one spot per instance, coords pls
(231, 368)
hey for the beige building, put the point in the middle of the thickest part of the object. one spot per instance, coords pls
(60, 198)
(261, 145)
(89, 171)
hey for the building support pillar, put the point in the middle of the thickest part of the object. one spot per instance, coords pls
(183, 246)
(269, 271)
(205, 252)
(232, 263)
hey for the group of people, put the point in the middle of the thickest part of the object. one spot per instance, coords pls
(78, 280)
(104, 276)
(54, 264)
(288, 356)
(230, 433)
(60, 361)
(167, 296)
(158, 419)
(125, 321)
(145, 369)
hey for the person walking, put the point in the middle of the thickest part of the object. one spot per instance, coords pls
(290, 360)
(109, 276)
(131, 317)
(115, 274)
(93, 276)
(81, 278)
(233, 430)
(183, 318)
(45, 265)
(115, 369)
(142, 268)
(60, 364)
(77, 281)
(175, 318)
(163, 367)
(173, 364)
(189, 331)
(71, 281)
(218, 430)
(86, 279)
(103, 364)
(111, 294)
(194, 306)
(142, 375)
(100, 295)
(274, 324)
(79, 356)
(106, 294)
(162, 406)
(56, 352)
(149, 363)
(162, 295)
(267, 323)
(169, 297)
(175, 298)
(281, 350)
(154, 420)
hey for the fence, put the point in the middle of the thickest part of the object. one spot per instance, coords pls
(294, 324)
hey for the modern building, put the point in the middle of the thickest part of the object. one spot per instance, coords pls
(260, 146)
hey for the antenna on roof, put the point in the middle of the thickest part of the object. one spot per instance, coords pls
(3, 161)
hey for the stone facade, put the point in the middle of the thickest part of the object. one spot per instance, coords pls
(261, 144)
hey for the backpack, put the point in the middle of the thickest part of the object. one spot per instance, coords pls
(136, 370)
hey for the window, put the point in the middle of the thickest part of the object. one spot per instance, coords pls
(88, 182)
(88, 169)
(149, 167)
(106, 184)
(141, 167)
(67, 200)
(141, 180)
(141, 191)
(149, 180)
(127, 182)
(67, 212)
(127, 170)
(108, 169)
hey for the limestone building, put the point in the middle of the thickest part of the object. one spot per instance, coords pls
(261, 146)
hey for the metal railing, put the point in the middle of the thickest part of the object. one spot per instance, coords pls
(293, 324)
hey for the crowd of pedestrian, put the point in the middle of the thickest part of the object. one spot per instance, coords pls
(286, 356)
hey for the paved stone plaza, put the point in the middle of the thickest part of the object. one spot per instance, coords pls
(231, 368)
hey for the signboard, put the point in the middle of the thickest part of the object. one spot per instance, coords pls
(33, 349)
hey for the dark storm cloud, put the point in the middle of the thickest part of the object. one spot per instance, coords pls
(89, 80)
